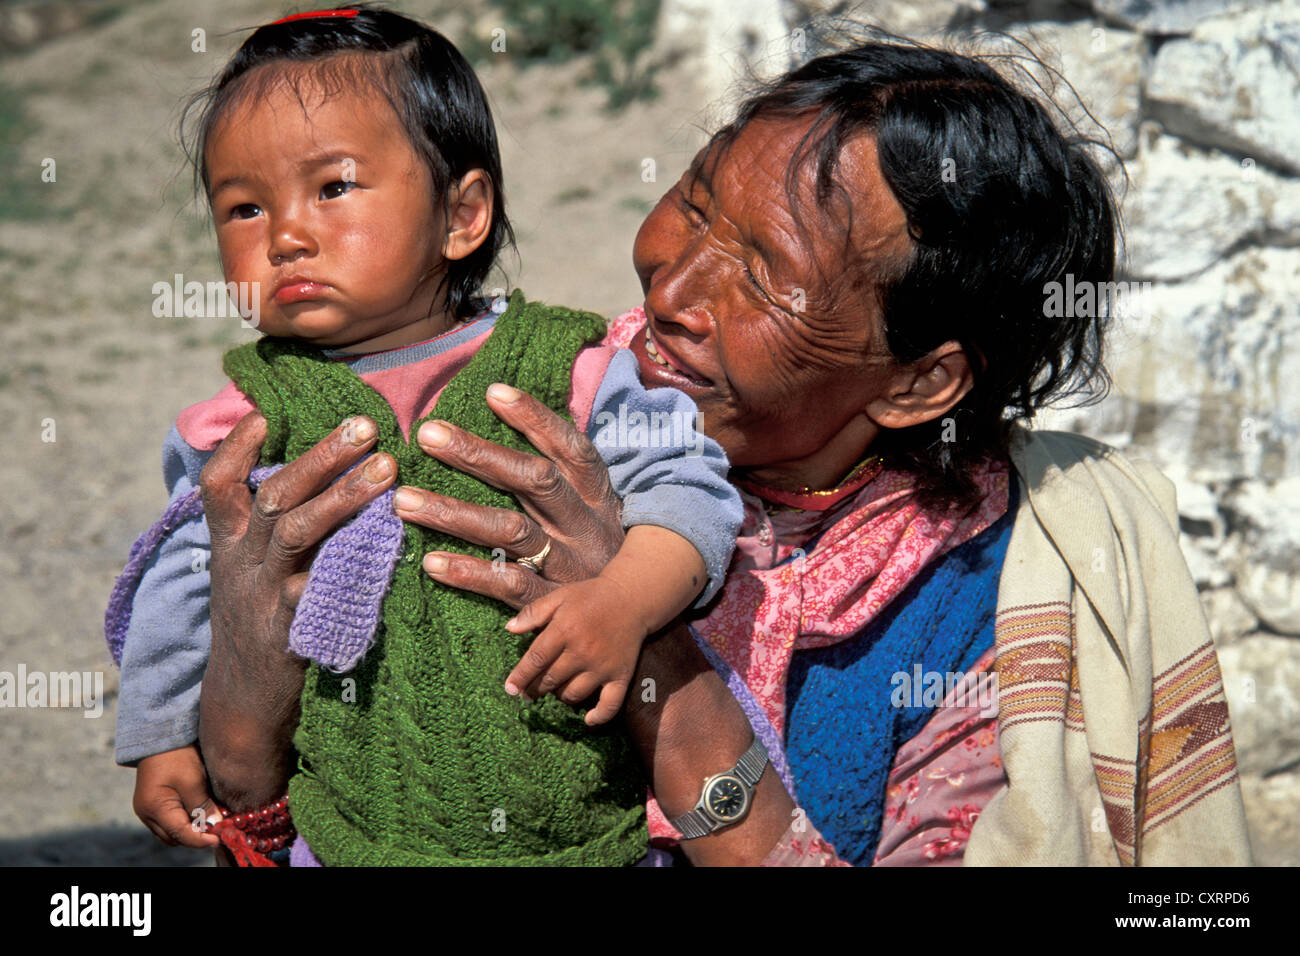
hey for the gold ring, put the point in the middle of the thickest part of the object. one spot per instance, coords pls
(534, 563)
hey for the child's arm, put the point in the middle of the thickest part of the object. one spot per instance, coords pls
(658, 573)
(164, 649)
(594, 629)
(163, 654)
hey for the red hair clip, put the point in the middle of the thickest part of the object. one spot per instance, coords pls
(315, 13)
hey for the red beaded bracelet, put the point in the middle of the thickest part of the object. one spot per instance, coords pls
(252, 835)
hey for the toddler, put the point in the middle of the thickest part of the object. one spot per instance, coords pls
(351, 166)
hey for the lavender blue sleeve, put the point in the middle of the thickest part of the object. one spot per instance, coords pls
(666, 472)
(166, 648)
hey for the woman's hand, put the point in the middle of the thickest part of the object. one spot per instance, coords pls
(690, 726)
(261, 547)
(565, 493)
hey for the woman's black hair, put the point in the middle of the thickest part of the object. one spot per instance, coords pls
(999, 204)
(429, 84)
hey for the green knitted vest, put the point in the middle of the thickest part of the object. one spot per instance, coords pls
(418, 756)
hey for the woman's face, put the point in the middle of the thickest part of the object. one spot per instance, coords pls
(771, 328)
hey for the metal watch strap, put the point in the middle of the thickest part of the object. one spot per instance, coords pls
(749, 769)
(693, 823)
(752, 763)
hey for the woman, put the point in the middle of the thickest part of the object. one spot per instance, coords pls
(850, 283)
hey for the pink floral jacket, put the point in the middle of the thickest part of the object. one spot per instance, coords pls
(941, 779)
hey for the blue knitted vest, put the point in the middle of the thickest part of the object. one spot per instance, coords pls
(842, 731)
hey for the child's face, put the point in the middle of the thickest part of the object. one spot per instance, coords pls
(331, 210)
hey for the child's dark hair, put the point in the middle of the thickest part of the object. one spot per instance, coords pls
(431, 87)
(1029, 205)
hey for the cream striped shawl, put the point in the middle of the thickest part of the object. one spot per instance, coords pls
(1112, 719)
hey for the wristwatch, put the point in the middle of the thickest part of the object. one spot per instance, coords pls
(726, 796)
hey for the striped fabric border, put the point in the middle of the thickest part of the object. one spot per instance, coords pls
(1117, 782)
(1184, 743)
(1033, 663)
(1184, 754)
(1190, 753)
(1074, 707)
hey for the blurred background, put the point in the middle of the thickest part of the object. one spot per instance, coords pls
(600, 106)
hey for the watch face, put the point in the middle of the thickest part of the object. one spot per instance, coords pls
(727, 800)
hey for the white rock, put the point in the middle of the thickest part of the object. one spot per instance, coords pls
(20, 25)
(1187, 207)
(1273, 594)
(1197, 502)
(1267, 565)
(1271, 815)
(1270, 514)
(1166, 16)
(1261, 677)
(913, 18)
(1204, 378)
(1102, 65)
(718, 42)
(1234, 83)
(1208, 571)
(721, 41)
(1228, 617)
(27, 24)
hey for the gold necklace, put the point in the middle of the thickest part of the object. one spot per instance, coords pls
(768, 494)
(854, 473)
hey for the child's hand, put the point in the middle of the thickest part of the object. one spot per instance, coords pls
(168, 788)
(591, 642)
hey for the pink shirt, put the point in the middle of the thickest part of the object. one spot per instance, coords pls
(411, 389)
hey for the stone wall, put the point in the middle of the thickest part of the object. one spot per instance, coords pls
(1201, 99)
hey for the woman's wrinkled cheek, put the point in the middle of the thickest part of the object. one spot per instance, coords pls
(784, 364)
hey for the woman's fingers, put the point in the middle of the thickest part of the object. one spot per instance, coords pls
(571, 451)
(291, 591)
(290, 595)
(510, 583)
(300, 530)
(305, 477)
(567, 502)
(223, 482)
(512, 531)
(538, 483)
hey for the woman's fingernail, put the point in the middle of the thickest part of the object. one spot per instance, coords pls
(358, 430)
(435, 563)
(434, 434)
(378, 469)
(511, 689)
(408, 499)
(504, 393)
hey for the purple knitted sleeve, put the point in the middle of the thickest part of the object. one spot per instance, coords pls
(339, 611)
